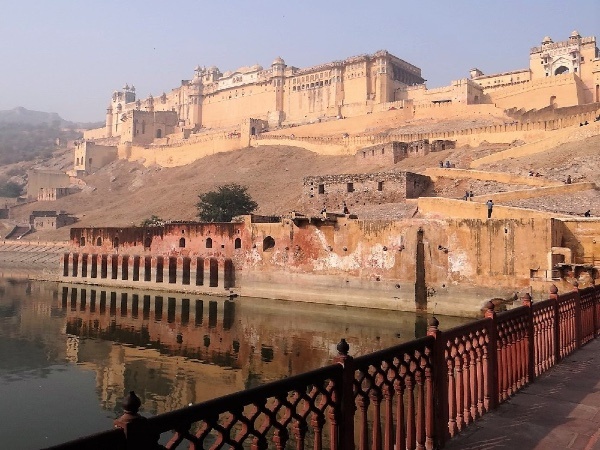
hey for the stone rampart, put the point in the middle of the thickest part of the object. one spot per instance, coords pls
(500, 177)
(522, 194)
(552, 140)
(501, 133)
(459, 209)
(183, 152)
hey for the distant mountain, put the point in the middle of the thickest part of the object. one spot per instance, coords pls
(25, 116)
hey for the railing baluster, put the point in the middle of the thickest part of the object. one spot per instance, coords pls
(388, 396)
(459, 392)
(400, 416)
(473, 384)
(420, 416)
(466, 378)
(410, 413)
(376, 401)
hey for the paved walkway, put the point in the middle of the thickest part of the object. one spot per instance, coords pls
(560, 410)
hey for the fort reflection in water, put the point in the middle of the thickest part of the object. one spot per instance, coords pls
(175, 349)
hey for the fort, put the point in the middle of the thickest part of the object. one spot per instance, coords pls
(422, 249)
(218, 111)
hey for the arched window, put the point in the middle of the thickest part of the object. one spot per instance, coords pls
(268, 243)
(208, 243)
(116, 242)
(159, 133)
(237, 243)
(147, 242)
(182, 243)
(99, 241)
(560, 70)
(81, 241)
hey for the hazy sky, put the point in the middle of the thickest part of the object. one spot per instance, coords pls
(68, 56)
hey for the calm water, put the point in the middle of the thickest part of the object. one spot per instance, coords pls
(68, 354)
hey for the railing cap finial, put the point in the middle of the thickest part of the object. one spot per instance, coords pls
(553, 289)
(343, 347)
(131, 403)
(489, 305)
(433, 322)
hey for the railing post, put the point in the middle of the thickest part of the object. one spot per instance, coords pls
(596, 311)
(527, 301)
(138, 435)
(578, 321)
(492, 374)
(440, 414)
(347, 406)
(553, 295)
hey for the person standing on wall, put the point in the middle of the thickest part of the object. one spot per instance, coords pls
(490, 206)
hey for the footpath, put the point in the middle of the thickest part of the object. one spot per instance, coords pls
(561, 410)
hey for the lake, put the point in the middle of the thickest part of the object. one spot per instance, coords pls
(69, 353)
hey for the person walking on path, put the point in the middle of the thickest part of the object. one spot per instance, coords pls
(490, 206)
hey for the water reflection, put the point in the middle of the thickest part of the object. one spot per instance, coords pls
(172, 349)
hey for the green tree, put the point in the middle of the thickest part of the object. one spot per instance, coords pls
(10, 189)
(226, 202)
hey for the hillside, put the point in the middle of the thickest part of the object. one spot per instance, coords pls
(125, 193)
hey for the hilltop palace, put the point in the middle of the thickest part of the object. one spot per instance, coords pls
(252, 100)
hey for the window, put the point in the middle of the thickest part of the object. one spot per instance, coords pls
(208, 243)
(99, 241)
(350, 187)
(182, 243)
(321, 189)
(380, 186)
(81, 241)
(116, 242)
(237, 243)
(268, 243)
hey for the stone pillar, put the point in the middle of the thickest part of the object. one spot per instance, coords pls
(207, 272)
(88, 265)
(221, 273)
(119, 266)
(179, 273)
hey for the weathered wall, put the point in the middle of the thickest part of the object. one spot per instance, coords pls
(385, 154)
(551, 140)
(38, 178)
(558, 91)
(500, 177)
(354, 262)
(582, 236)
(52, 194)
(90, 156)
(456, 209)
(537, 192)
(182, 153)
(332, 191)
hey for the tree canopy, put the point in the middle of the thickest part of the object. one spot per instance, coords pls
(226, 202)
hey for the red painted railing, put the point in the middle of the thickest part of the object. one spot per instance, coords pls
(412, 396)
